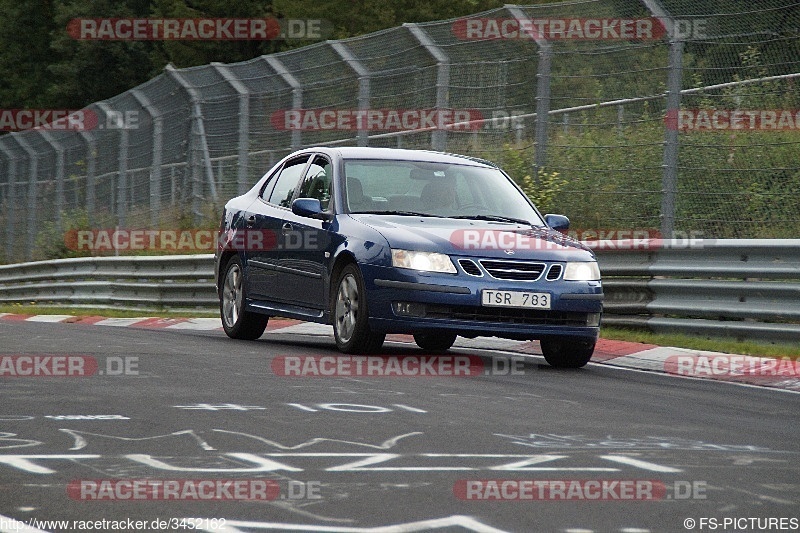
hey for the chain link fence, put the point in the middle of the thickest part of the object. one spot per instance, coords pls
(679, 116)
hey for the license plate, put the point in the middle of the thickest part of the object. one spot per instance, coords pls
(529, 300)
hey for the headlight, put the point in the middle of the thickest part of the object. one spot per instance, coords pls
(427, 261)
(587, 271)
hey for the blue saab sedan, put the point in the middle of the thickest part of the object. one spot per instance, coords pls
(379, 240)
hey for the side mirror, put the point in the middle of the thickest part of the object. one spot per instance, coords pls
(307, 207)
(557, 222)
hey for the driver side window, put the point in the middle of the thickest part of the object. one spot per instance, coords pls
(318, 182)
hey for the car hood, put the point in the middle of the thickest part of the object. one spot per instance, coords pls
(475, 238)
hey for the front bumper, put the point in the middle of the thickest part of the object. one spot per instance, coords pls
(406, 301)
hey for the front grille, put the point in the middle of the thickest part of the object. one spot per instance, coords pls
(469, 266)
(506, 315)
(513, 270)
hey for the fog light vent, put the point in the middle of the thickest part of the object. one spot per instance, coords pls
(409, 309)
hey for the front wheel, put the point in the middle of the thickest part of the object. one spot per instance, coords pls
(567, 352)
(350, 314)
(435, 342)
(237, 322)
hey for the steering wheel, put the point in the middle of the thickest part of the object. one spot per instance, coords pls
(476, 207)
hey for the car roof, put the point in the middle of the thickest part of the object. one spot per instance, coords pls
(363, 152)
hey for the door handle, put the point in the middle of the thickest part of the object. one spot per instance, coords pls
(287, 226)
(250, 221)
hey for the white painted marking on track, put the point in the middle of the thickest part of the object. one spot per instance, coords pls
(652, 359)
(48, 318)
(121, 322)
(385, 445)
(305, 328)
(200, 324)
(488, 343)
(646, 465)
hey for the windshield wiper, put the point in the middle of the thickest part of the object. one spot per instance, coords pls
(495, 218)
(402, 213)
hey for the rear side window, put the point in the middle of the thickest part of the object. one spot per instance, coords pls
(288, 181)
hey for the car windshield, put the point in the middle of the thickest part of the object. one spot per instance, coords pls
(435, 189)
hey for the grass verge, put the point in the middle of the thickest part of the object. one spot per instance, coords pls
(711, 344)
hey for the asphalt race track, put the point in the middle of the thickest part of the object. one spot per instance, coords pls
(598, 449)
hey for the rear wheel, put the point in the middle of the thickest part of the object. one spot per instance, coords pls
(350, 315)
(237, 322)
(435, 342)
(567, 352)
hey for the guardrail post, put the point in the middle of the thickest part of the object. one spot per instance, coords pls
(244, 125)
(158, 149)
(438, 137)
(363, 84)
(297, 93)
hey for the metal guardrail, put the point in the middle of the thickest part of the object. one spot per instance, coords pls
(747, 289)
(128, 282)
(742, 288)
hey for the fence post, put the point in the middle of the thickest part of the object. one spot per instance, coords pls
(11, 202)
(158, 149)
(438, 137)
(297, 93)
(91, 168)
(363, 84)
(122, 169)
(669, 182)
(671, 141)
(200, 141)
(33, 175)
(244, 125)
(59, 150)
(543, 79)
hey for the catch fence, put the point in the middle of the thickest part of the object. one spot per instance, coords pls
(665, 115)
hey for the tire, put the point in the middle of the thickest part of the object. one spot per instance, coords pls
(351, 316)
(435, 342)
(567, 352)
(237, 322)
